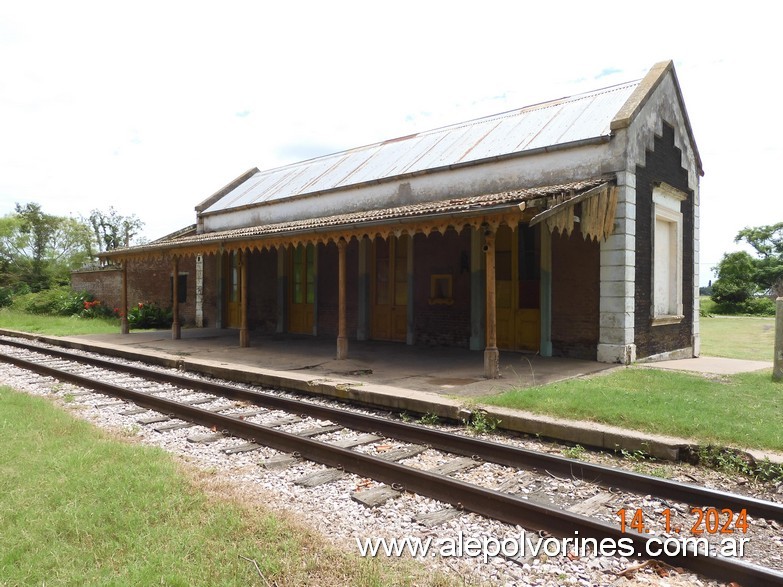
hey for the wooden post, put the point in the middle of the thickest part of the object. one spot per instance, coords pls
(491, 354)
(777, 363)
(176, 331)
(342, 339)
(124, 329)
(244, 335)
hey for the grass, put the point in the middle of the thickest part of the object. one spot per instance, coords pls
(742, 410)
(737, 337)
(80, 508)
(56, 325)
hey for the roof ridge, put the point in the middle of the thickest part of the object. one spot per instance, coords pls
(464, 123)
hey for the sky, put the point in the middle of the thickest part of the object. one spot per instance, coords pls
(150, 107)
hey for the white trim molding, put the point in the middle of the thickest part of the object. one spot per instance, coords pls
(667, 255)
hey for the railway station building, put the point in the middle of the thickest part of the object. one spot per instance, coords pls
(568, 228)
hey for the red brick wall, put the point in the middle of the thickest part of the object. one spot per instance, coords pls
(150, 281)
(327, 295)
(262, 291)
(103, 284)
(575, 296)
(449, 254)
(210, 290)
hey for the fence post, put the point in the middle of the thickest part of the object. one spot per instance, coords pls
(777, 365)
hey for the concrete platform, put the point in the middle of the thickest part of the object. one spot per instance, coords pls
(441, 370)
(714, 365)
(384, 375)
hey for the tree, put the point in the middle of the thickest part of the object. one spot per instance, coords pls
(113, 230)
(39, 249)
(736, 279)
(767, 241)
(744, 282)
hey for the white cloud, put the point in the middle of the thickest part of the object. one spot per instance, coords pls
(152, 106)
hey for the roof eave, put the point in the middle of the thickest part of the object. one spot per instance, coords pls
(123, 254)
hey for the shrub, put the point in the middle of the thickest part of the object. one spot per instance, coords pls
(96, 309)
(58, 301)
(149, 315)
(6, 296)
(757, 306)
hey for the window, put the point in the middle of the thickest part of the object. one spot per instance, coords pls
(182, 288)
(667, 255)
(440, 289)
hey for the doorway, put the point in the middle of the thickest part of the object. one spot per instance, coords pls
(518, 287)
(389, 292)
(301, 288)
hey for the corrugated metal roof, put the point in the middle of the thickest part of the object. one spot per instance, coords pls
(559, 122)
(462, 207)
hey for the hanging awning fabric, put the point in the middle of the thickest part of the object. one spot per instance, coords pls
(596, 220)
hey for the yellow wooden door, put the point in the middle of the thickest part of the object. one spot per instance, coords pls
(517, 283)
(390, 288)
(233, 291)
(301, 289)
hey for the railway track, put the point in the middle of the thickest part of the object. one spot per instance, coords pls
(499, 503)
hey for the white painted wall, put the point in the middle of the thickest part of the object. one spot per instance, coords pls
(540, 169)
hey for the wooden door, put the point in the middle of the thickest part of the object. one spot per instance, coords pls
(390, 288)
(517, 283)
(301, 289)
(233, 291)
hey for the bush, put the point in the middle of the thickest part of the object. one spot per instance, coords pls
(149, 315)
(96, 309)
(761, 306)
(6, 296)
(58, 301)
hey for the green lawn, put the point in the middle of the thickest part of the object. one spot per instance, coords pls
(743, 410)
(79, 508)
(738, 337)
(55, 325)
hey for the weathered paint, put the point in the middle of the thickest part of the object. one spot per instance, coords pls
(546, 125)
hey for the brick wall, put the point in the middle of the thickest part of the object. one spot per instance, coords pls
(662, 164)
(209, 290)
(575, 296)
(262, 291)
(103, 284)
(328, 292)
(150, 281)
(449, 254)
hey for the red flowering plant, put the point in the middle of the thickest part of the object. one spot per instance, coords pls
(149, 315)
(96, 309)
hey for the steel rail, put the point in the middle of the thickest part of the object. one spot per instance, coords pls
(504, 507)
(488, 451)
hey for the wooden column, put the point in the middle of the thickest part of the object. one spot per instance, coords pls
(342, 338)
(491, 354)
(124, 300)
(176, 331)
(244, 335)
